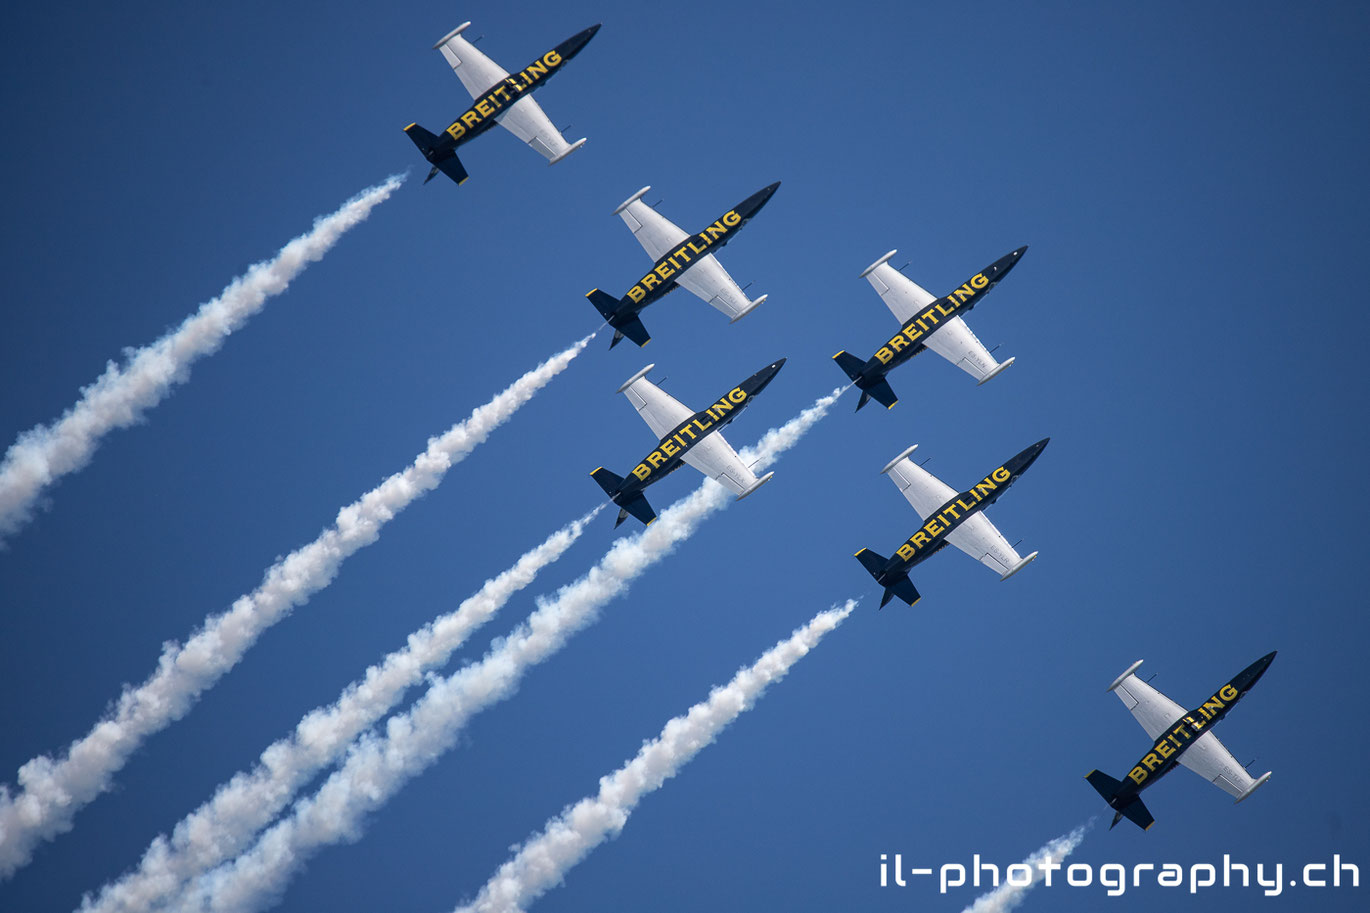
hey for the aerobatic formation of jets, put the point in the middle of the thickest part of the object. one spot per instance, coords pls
(681, 259)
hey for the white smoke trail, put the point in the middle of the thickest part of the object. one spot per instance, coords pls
(53, 790)
(1007, 896)
(377, 767)
(120, 396)
(543, 861)
(222, 827)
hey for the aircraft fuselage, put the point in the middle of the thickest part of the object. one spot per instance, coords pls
(669, 453)
(660, 280)
(910, 340)
(1175, 741)
(932, 536)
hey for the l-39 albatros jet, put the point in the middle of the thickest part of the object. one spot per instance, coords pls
(686, 437)
(1181, 738)
(928, 323)
(958, 519)
(681, 259)
(499, 99)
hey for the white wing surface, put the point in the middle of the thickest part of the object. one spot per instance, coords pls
(954, 341)
(904, 297)
(705, 277)
(980, 539)
(659, 409)
(924, 490)
(1156, 712)
(1208, 758)
(716, 458)
(657, 234)
(523, 118)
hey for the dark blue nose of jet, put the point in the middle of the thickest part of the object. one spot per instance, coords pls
(1252, 673)
(1026, 458)
(758, 381)
(752, 205)
(999, 268)
(571, 46)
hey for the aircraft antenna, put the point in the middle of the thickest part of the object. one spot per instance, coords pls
(656, 204)
(926, 461)
(1249, 763)
(1018, 543)
(1153, 675)
(748, 285)
(567, 127)
(996, 348)
(906, 263)
(477, 39)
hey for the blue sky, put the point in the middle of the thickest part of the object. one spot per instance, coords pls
(1191, 185)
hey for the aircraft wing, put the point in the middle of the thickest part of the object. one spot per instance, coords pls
(523, 118)
(708, 280)
(716, 458)
(923, 490)
(1156, 712)
(659, 409)
(657, 234)
(1208, 758)
(954, 341)
(905, 298)
(980, 539)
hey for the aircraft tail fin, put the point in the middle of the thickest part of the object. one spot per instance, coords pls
(877, 389)
(427, 143)
(605, 303)
(1134, 811)
(875, 564)
(634, 504)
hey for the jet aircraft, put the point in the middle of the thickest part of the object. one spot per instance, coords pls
(499, 99)
(681, 259)
(685, 437)
(958, 519)
(928, 323)
(1181, 738)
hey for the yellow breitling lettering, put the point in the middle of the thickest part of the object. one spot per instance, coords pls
(537, 68)
(1151, 761)
(1214, 705)
(636, 293)
(698, 250)
(687, 430)
(920, 539)
(932, 527)
(1001, 475)
(470, 118)
(984, 488)
(963, 505)
(1228, 693)
(669, 448)
(944, 312)
(641, 471)
(885, 356)
(737, 395)
(483, 106)
(456, 131)
(898, 343)
(732, 218)
(552, 59)
(979, 280)
(650, 281)
(1137, 774)
(721, 407)
(963, 293)
(1164, 749)
(716, 231)
(905, 551)
(702, 428)
(664, 271)
(929, 317)
(655, 458)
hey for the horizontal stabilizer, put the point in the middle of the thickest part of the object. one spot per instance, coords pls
(749, 308)
(1108, 788)
(637, 506)
(1120, 679)
(573, 147)
(1137, 813)
(881, 392)
(849, 363)
(1019, 566)
(606, 304)
(1254, 786)
(995, 373)
(755, 485)
(632, 328)
(904, 589)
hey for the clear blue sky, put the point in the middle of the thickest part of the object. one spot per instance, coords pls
(1187, 324)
